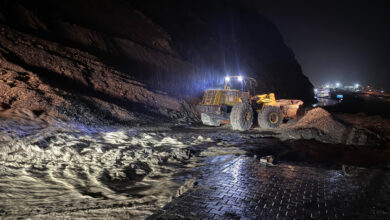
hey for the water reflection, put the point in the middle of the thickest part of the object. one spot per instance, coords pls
(325, 102)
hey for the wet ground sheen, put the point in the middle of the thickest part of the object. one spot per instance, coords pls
(61, 170)
(245, 189)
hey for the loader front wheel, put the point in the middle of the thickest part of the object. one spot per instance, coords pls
(270, 117)
(241, 117)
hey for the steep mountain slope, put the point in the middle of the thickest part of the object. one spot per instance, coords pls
(226, 37)
(67, 83)
(173, 46)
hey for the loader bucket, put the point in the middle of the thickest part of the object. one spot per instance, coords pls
(291, 108)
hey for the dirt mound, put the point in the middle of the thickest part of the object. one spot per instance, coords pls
(375, 123)
(320, 119)
(320, 125)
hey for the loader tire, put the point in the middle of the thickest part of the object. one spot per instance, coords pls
(241, 117)
(270, 117)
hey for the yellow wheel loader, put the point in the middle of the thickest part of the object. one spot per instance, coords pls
(237, 104)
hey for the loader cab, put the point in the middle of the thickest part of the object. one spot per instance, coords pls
(241, 83)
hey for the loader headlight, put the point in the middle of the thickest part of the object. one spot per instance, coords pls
(227, 79)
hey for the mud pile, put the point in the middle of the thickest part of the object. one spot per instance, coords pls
(319, 119)
(320, 125)
(375, 123)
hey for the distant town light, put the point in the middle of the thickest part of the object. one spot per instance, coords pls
(337, 84)
(327, 85)
(315, 90)
(227, 79)
(240, 78)
(357, 85)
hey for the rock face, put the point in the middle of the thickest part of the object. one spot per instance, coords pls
(174, 46)
(226, 37)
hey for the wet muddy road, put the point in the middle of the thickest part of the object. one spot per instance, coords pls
(69, 171)
(245, 189)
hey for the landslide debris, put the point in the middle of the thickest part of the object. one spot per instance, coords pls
(116, 61)
(171, 45)
(56, 169)
(319, 119)
(374, 123)
(70, 84)
(318, 124)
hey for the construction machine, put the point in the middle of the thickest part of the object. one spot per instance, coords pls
(238, 105)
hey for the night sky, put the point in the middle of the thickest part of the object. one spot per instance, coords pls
(345, 41)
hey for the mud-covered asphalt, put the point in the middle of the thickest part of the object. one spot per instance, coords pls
(59, 169)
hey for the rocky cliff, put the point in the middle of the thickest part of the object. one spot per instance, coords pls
(120, 57)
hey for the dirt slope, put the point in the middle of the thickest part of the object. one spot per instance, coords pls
(68, 83)
(177, 46)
